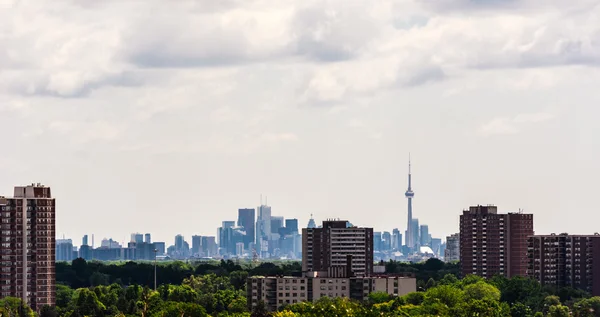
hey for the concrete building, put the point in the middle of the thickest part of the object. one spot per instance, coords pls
(284, 290)
(27, 266)
(336, 246)
(246, 220)
(565, 261)
(452, 252)
(492, 243)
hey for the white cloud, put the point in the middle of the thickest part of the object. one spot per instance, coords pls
(505, 125)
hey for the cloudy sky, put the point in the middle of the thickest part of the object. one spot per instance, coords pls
(167, 116)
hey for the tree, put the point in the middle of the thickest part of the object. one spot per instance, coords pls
(378, 297)
(48, 311)
(520, 310)
(238, 279)
(445, 295)
(589, 307)
(481, 290)
(558, 311)
(260, 310)
(15, 307)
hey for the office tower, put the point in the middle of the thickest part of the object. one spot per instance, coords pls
(338, 248)
(209, 246)
(239, 249)
(291, 225)
(410, 234)
(84, 241)
(160, 248)
(436, 244)
(246, 219)
(33, 250)
(377, 241)
(179, 243)
(137, 238)
(415, 234)
(452, 252)
(565, 261)
(148, 238)
(425, 237)
(196, 245)
(276, 224)
(263, 230)
(396, 239)
(386, 241)
(64, 250)
(311, 223)
(492, 243)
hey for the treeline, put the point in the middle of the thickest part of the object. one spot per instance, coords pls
(81, 273)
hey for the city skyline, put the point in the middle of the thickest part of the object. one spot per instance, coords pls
(167, 118)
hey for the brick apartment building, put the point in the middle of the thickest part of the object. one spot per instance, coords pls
(566, 261)
(27, 247)
(492, 243)
(336, 246)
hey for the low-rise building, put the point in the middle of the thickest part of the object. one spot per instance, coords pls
(285, 290)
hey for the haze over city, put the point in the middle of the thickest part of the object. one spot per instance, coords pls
(143, 119)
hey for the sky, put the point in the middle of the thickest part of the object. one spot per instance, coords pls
(168, 116)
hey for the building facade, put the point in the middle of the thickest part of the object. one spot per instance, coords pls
(493, 243)
(336, 246)
(452, 251)
(566, 261)
(28, 246)
(246, 219)
(284, 290)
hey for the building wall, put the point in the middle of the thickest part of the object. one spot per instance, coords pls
(27, 266)
(279, 291)
(565, 260)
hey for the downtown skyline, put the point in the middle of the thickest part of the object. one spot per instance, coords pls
(140, 124)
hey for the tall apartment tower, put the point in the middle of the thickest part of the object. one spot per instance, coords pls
(338, 249)
(452, 251)
(566, 260)
(246, 219)
(27, 247)
(492, 243)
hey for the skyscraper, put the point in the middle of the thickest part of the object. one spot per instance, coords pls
(147, 238)
(196, 245)
(263, 229)
(424, 235)
(291, 225)
(137, 237)
(84, 241)
(493, 243)
(396, 239)
(246, 219)
(311, 223)
(27, 268)
(276, 224)
(410, 234)
(452, 252)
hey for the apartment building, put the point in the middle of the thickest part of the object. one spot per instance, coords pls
(285, 290)
(565, 261)
(337, 246)
(27, 247)
(493, 243)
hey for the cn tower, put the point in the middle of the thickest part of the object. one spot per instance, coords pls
(409, 195)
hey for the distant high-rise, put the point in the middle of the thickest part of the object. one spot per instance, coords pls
(28, 267)
(311, 223)
(452, 252)
(196, 245)
(415, 233)
(396, 239)
(263, 230)
(291, 225)
(425, 235)
(179, 242)
(492, 243)
(209, 246)
(338, 249)
(84, 241)
(377, 241)
(386, 241)
(246, 219)
(276, 224)
(148, 238)
(410, 234)
(64, 250)
(137, 238)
